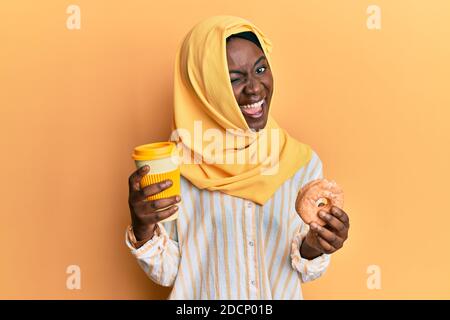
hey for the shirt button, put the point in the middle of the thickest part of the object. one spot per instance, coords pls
(251, 243)
(252, 282)
(249, 205)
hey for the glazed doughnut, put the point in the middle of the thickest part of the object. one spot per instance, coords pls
(316, 195)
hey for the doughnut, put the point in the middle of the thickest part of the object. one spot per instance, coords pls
(319, 194)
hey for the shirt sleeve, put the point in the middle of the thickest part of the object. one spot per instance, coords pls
(314, 268)
(159, 257)
(308, 269)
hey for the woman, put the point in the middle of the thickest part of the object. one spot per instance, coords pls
(237, 235)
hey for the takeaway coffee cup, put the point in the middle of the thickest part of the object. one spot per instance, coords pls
(163, 160)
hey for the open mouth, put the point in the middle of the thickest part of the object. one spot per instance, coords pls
(255, 110)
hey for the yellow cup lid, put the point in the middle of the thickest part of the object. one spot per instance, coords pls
(154, 151)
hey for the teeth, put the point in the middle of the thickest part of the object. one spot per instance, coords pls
(254, 105)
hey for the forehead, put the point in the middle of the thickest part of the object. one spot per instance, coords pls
(242, 53)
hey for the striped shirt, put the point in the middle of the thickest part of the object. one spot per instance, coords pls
(225, 247)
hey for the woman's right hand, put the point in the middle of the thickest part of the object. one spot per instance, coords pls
(144, 214)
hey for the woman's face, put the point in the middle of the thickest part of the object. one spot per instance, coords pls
(251, 80)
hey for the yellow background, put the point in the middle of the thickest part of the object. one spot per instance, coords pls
(374, 104)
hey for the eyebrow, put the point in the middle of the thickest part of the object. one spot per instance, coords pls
(257, 61)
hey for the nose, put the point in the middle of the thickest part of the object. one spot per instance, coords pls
(253, 87)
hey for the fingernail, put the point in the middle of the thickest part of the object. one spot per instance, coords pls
(177, 198)
(167, 183)
(145, 168)
(322, 214)
(313, 225)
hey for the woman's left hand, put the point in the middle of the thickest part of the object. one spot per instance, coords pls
(331, 237)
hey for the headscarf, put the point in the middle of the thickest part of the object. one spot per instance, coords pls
(204, 105)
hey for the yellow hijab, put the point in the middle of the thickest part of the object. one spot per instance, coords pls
(204, 99)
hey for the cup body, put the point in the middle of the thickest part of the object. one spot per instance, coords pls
(163, 160)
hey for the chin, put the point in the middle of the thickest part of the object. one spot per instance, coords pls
(257, 127)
